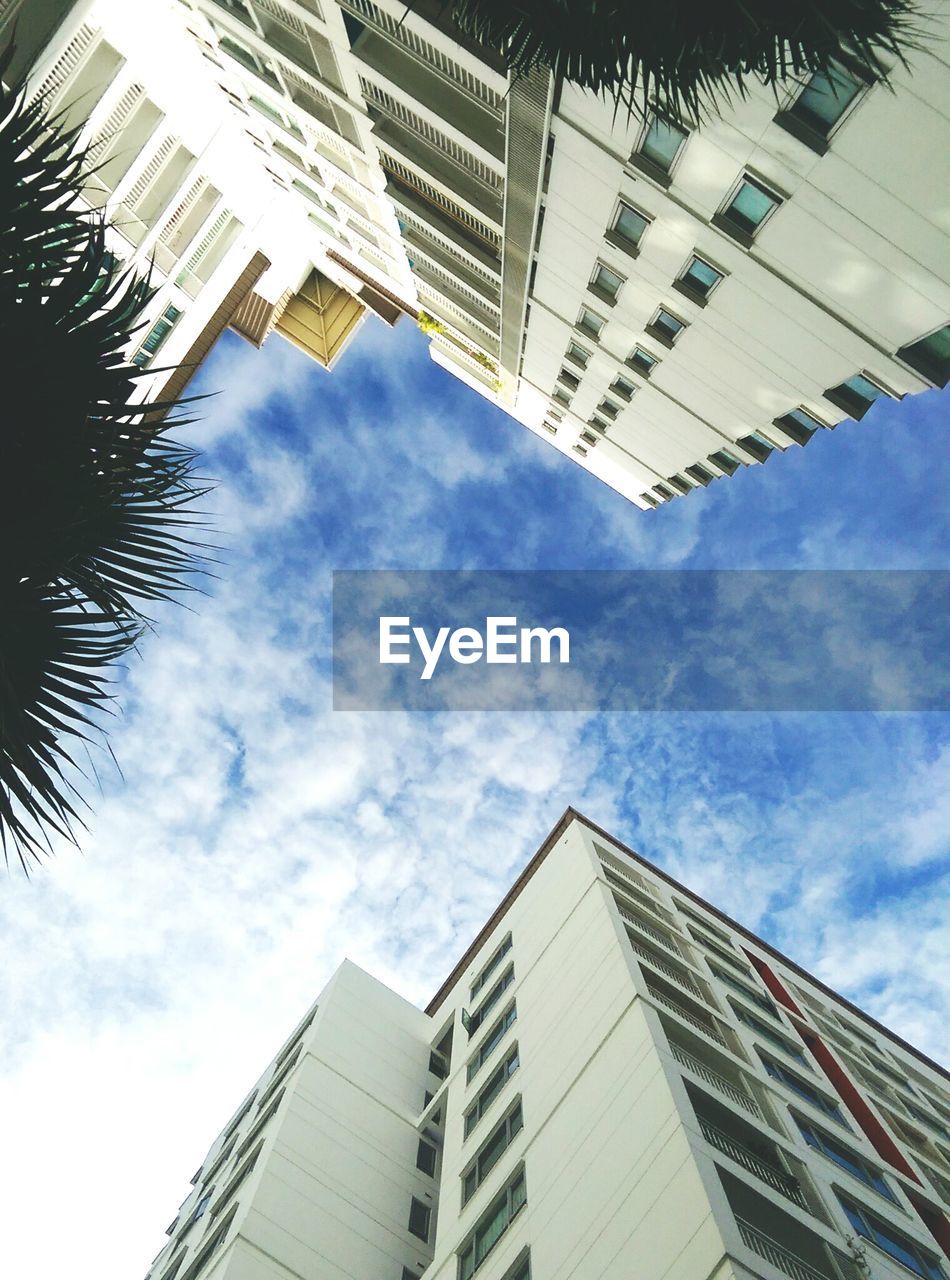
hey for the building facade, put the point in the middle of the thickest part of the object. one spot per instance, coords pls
(664, 304)
(615, 1080)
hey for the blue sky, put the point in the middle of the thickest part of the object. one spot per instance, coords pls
(255, 838)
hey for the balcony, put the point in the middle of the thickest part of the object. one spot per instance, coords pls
(698, 1019)
(790, 1264)
(719, 1082)
(679, 976)
(778, 1179)
(645, 927)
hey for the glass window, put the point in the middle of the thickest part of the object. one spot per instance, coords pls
(892, 1241)
(623, 387)
(803, 1089)
(578, 355)
(629, 225)
(759, 1027)
(494, 961)
(642, 361)
(749, 992)
(826, 97)
(699, 277)
(667, 324)
(855, 395)
(930, 356)
(491, 1042)
(661, 143)
(426, 1157)
(799, 424)
(749, 207)
(606, 282)
(419, 1215)
(491, 1152)
(590, 323)
(492, 1226)
(478, 1017)
(570, 380)
(843, 1156)
(156, 337)
(492, 1088)
(606, 407)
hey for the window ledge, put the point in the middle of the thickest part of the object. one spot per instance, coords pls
(694, 295)
(638, 369)
(660, 336)
(735, 233)
(851, 405)
(608, 299)
(629, 247)
(803, 132)
(651, 170)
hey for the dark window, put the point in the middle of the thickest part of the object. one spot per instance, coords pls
(590, 323)
(426, 1157)
(419, 1215)
(492, 1150)
(438, 1065)
(609, 409)
(477, 1018)
(930, 356)
(642, 361)
(725, 461)
(855, 395)
(843, 1156)
(803, 1089)
(666, 327)
(749, 207)
(799, 424)
(627, 228)
(493, 1086)
(821, 105)
(606, 283)
(570, 380)
(699, 279)
(892, 1241)
(659, 147)
(577, 355)
(621, 387)
(492, 1226)
(757, 445)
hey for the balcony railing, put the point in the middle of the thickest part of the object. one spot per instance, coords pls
(786, 1261)
(683, 979)
(705, 1027)
(646, 928)
(717, 1081)
(774, 1177)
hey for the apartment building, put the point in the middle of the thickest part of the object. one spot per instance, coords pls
(615, 1080)
(665, 304)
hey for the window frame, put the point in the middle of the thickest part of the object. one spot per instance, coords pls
(845, 398)
(492, 1040)
(683, 285)
(580, 362)
(803, 1089)
(924, 367)
(616, 238)
(653, 169)
(661, 335)
(490, 1090)
(862, 1219)
(795, 430)
(422, 1234)
(825, 1142)
(801, 127)
(589, 332)
(625, 395)
(593, 286)
(475, 1164)
(506, 1202)
(735, 230)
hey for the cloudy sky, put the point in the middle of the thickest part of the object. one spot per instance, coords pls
(255, 837)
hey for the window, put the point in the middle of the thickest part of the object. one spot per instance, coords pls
(609, 409)
(477, 1018)
(598, 424)
(679, 484)
(250, 60)
(562, 397)
(660, 145)
(698, 279)
(666, 327)
(491, 1152)
(642, 361)
(843, 1156)
(606, 283)
(743, 988)
(759, 1027)
(521, 1270)
(578, 355)
(492, 1226)
(492, 1041)
(156, 337)
(799, 424)
(224, 1199)
(930, 356)
(822, 104)
(892, 1241)
(701, 920)
(627, 228)
(725, 461)
(855, 395)
(202, 1205)
(749, 206)
(589, 438)
(715, 947)
(493, 1087)
(426, 1157)
(803, 1089)
(590, 323)
(623, 387)
(757, 445)
(570, 380)
(700, 474)
(438, 1065)
(419, 1215)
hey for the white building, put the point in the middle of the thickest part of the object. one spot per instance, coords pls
(664, 305)
(615, 1080)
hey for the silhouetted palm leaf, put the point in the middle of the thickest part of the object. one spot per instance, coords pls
(685, 55)
(96, 501)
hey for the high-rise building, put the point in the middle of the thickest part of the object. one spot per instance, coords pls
(664, 303)
(615, 1080)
